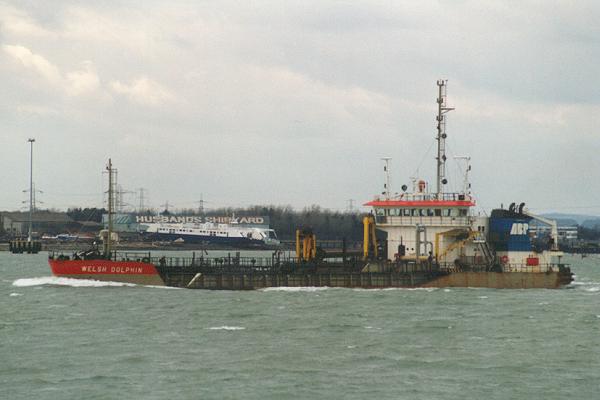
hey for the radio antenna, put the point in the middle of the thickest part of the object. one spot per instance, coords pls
(441, 136)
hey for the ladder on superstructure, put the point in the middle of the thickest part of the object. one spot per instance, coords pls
(488, 253)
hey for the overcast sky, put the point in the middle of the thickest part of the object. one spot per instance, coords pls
(296, 102)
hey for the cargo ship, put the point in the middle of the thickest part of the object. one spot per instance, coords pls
(432, 239)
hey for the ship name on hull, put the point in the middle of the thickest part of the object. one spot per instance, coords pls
(112, 270)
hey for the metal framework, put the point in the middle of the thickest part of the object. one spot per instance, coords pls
(441, 135)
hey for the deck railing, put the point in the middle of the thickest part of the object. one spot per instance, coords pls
(428, 221)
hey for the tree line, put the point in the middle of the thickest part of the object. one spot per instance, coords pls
(326, 224)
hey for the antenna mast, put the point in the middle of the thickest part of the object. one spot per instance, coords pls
(141, 199)
(441, 136)
(30, 234)
(350, 205)
(386, 169)
(201, 204)
(466, 184)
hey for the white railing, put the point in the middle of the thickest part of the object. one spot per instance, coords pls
(427, 221)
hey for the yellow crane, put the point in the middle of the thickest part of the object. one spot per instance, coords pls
(306, 245)
(369, 238)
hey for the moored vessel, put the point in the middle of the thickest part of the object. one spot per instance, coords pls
(232, 235)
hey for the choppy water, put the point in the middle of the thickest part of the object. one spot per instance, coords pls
(67, 339)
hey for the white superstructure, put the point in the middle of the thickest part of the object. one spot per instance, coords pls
(232, 234)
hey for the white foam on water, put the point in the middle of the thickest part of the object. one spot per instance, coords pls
(296, 289)
(447, 290)
(162, 287)
(483, 297)
(54, 280)
(15, 294)
(320, 288)
(227, 328)
(426, 289)
(583, 283)
(592, 289)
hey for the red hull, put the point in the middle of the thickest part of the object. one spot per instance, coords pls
(107, 270)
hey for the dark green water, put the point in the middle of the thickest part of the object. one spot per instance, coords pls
(72, 340)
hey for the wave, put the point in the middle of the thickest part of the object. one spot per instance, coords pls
(226, 328)
(583, 283)
(588, 286)
(15, 294)
(296, 289)
(319, 288)
(417, 289)
(57, 281)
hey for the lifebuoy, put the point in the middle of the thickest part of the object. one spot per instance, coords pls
(504, 259)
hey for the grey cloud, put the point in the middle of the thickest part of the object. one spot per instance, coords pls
(295, 103)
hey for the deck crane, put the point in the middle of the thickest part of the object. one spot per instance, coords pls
(553, 228)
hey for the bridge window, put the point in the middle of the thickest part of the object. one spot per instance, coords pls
(406, 212)
(463, 212)
(430, 212)
(438, 212)
(380, 212)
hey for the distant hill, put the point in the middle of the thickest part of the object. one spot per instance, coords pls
(591, 224)
(571, 219)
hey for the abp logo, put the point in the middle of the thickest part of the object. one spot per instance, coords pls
(519, 229)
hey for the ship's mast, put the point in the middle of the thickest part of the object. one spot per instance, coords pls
(441, 136)
(107, 242)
